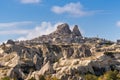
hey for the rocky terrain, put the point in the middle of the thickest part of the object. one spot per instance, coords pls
(64, 54)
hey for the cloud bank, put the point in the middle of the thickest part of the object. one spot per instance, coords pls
(16, 28)
(75, 9)
(42, 29)
(15, 24)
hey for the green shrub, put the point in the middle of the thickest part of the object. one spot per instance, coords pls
(41, 77)
(110, 75)
(32, 78)
(5, 78)
(90, 77)
(54, 78)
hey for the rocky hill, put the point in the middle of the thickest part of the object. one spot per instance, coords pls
(64, 54)
(63, 34)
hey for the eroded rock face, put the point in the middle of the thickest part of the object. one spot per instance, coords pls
(76, 31)
(62, 61)
(62, 34)
(38, 61)
(59, 54)
(63, 29)
(10, 42)
(24, 60)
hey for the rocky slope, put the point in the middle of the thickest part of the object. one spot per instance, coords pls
(63, 34)
(64, 54)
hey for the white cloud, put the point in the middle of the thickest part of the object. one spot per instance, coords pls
(75, 9)
(43, 29)
(118, 23)
(30, 1)
(16, 32)
(14, 28)
(15, 24)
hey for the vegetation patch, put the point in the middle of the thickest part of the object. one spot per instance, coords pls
(109, 75)
(5, 78)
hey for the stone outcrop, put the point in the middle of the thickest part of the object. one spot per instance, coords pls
(61, 61)
(76, 31)
(62, 34)
(23, 60)
(10, 42)
(60, 54)
(63, 29)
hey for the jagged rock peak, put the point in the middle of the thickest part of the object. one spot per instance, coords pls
(63, 28)
(76, 31)
(10, 41)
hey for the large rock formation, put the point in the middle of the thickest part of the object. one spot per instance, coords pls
(40, 59)
(63, 55)
(76, 31)
(63, 29)
(63, 34)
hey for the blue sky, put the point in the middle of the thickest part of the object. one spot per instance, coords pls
(26, 19)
